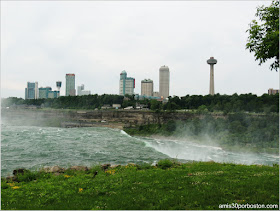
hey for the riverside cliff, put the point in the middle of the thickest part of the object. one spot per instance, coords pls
(91, 118)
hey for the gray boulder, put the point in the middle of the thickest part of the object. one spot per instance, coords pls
(79, 168)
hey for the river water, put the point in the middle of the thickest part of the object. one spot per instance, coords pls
(35, 147)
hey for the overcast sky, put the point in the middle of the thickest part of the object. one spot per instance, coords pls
(43, 40)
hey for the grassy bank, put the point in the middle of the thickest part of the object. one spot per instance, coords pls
(169, 185)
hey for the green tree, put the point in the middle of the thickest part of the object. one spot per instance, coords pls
(156, 105)
(263, 37)
(202, 109)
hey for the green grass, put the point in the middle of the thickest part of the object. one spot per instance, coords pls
(170, 185)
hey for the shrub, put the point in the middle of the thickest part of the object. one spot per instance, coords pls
(27, 176)
(164, 164)
(144, 166)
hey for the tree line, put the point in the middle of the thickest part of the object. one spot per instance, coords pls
(208, 103)
(226, 103)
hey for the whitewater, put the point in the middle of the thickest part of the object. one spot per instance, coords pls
(34, 147)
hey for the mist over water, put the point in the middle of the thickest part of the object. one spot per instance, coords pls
(35, 147)
(188, 150)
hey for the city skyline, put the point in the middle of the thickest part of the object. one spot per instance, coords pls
(42, 41)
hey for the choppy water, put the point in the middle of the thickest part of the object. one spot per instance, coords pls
(35, 147)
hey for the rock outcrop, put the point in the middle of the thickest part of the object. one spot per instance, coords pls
(53, 169)
(79, 168)
(92, 118)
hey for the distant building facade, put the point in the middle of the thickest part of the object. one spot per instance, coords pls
(44, 92)
(58, 85)
(81, 91)
(116, 106)
(31, 91)
(70, 85)
(273, 91)
(164, 81)
(53, 94)
(156, 94)
(147, 87)
(127, 84)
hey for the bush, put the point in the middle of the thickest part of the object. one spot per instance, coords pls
(144, 166)
(164, 164)
(27, 176)
(171, 126)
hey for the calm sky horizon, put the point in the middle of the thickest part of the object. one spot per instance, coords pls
(96, 40)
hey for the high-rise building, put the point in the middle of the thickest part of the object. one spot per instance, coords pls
(70, 85)
(47, 92)
(164, 81)
(147, 87)
(81, 91)
(44, 92)
(273, 91)
(127, 84)
(31, 91)
(53, 94)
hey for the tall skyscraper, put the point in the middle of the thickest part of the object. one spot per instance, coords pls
(31, 91)
(164, 81)
(211, 62)
(70, 85)
(127, 84)
(147, 87)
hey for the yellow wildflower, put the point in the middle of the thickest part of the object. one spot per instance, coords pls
(110, 171)
(80, 190)
(67, 176)
(16, 187)
(240, 201)
(11, 184)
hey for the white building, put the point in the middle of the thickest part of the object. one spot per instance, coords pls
(147, 87)
(81, 91)
(127, 84)
(116, 106)
(164, 79)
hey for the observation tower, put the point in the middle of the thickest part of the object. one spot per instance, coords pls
(211, 62)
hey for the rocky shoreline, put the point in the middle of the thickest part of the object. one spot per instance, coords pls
(57, 170)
